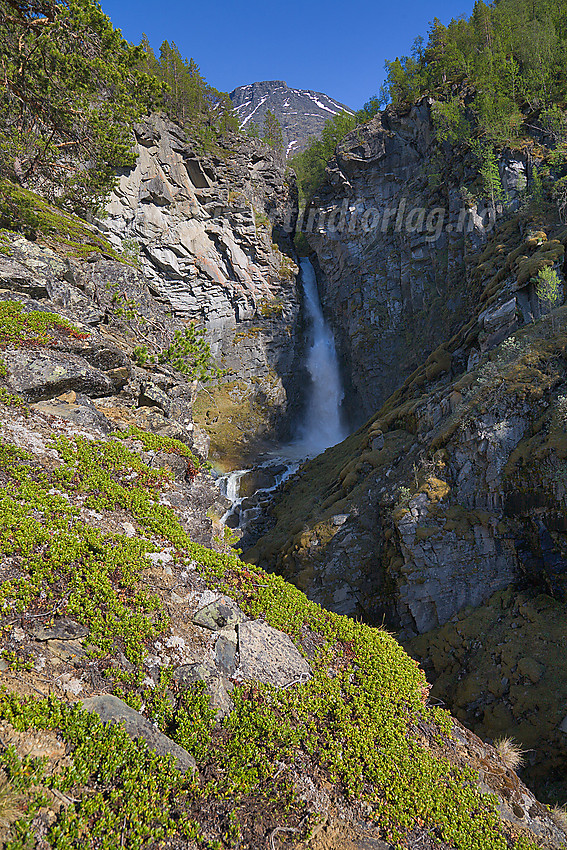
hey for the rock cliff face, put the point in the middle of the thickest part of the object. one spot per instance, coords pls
(212, 232)
(301, 113)
(394, 236)
(454, 490)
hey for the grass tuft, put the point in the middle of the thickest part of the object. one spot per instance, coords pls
(510, 752)
(10, 802)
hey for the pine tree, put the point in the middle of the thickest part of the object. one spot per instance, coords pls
(272, 131)
(72, 88)
(309, 166)
(188, 98)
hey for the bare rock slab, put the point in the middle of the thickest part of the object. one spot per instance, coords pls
(18, 278)
(225, 651)
(81, 414)
(110, 709)
(268, 655)
(62, 628)
(219, 614)
(40, 375)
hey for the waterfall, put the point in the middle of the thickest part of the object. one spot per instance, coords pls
(322, 426)
(230, 483)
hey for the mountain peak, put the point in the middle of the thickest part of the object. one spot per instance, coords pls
(301, 112)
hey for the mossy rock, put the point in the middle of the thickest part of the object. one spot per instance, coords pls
(24, 211)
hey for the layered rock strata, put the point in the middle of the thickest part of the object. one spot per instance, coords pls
(212, 232)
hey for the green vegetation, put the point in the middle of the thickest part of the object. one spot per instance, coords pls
(33, 328)
(272, 132)
(71, 92)
(189, 353)
(188, 99)
(157, 443)
(147, 801)
(270, 309)
(57, 550)
(487, 164)
(12, 400)
(309, 166)
(548, 286)
(26, 212)
(507, 61)
(353, 720)
(131, 251)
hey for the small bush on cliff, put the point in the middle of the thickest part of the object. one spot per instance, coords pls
(190, 354)
(548, 286)
(35, 328)
(510, 753)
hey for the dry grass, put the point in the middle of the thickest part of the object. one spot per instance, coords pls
(510, 753)
(10, 803)
(559, 815)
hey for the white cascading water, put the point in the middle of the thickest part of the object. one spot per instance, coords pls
(322, 426)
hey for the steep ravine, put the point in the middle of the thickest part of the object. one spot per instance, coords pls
(320, 424)
(446, 509)
(395, 234)
(248, 711)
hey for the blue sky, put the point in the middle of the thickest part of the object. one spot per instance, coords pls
(338, 48)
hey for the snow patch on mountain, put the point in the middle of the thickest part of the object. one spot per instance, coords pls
(301, 112)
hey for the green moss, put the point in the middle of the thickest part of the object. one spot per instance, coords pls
(28, 213)
(157, 443)
(232, 412)
(33, 328)
(437, 363)
(549, 253)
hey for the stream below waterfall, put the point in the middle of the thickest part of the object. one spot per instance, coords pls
(249, 491)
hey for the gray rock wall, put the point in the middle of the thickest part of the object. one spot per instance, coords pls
(393, 259)
(213, 232)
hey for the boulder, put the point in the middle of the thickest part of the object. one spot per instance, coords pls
(268, 655)
(43, 374)
(84, 415)
(225, 650)
(219, 614)
(153, 396)
(63, 628)
(110, 709)
(18, 278)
